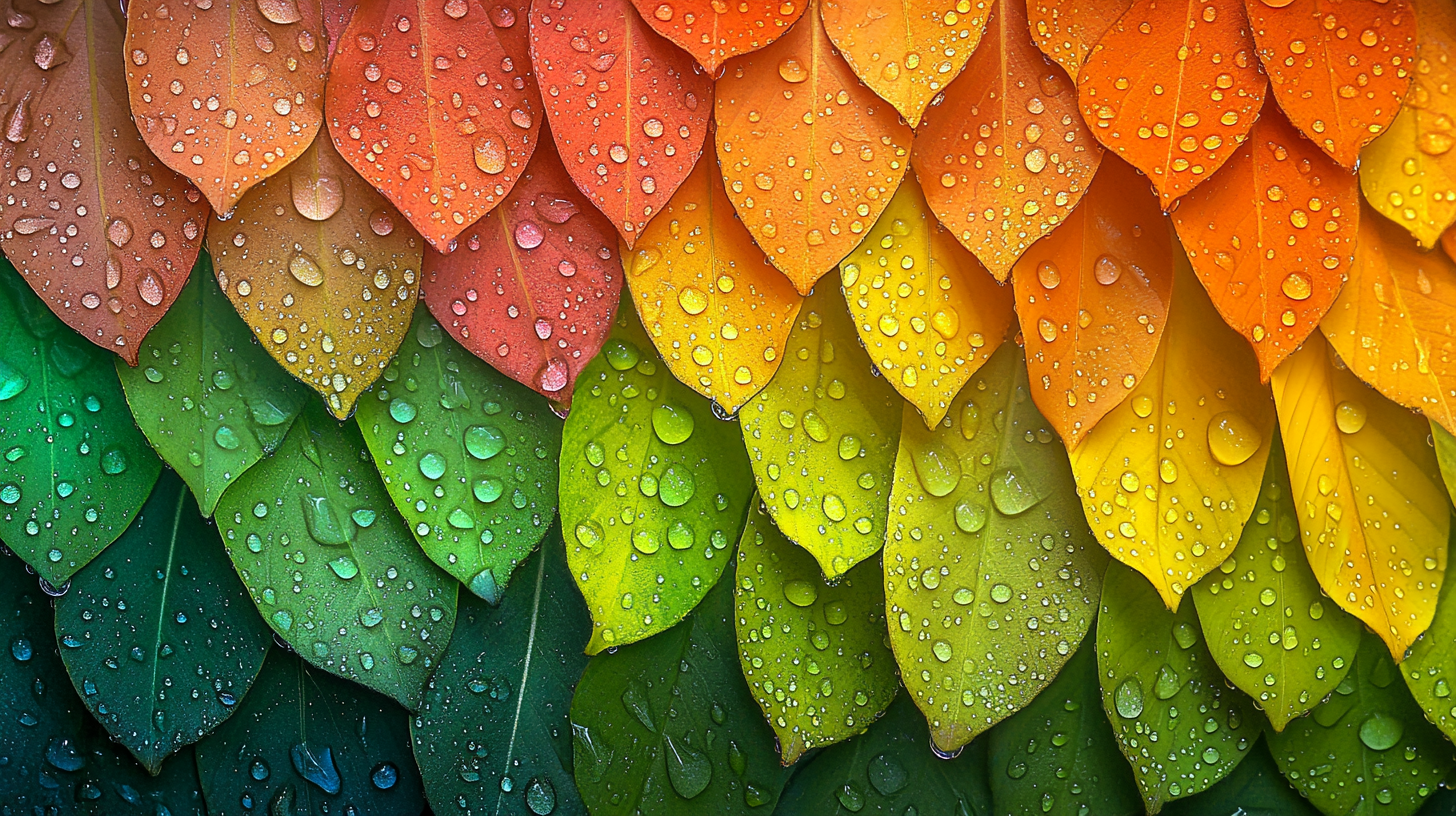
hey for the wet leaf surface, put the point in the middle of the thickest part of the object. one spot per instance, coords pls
(1066, 30)
(713, 32)
(1254, 788)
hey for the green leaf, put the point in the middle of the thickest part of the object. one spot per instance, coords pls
(121, 787)
(1270, 628)
(76, 468)
(991, 574)
(503, 690)
(1058, 755)
(1254, 788)
(331, 566)
(1176, 721)
(666, 727)
(467, 454)
(300, 739)
(157, 633)
(891, 771)
(814, 653)
(1367, 749)
(821, 438)
(207, 396)
(653, 490)
(1430, 666)
(1445, 457)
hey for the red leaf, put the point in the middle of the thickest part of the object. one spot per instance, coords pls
(337, 14)
(713, 31)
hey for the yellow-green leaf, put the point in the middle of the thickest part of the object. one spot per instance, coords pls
(1430, 670)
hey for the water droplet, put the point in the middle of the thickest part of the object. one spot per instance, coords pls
(672, 423)
(1128, 699)
(1232, 438)
(801, 593)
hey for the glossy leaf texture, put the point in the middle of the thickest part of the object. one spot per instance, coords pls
(813, 653)
(809, 155)
(1173, 88)
(1092, 299)
(467, 455)
(821, 439)
(339, 313)
(714, 32)
(666, 727)
(701, 286)
(1155, 666)
(1255, 788)
(1375, 512)
(926, 310)
(1339, 68)
(1169, 477)
(647, 470)
(1430, 666)
(445, 140)
(206, 394)
(1066, 30)
(984, 507)
(76, 468)
(90, 216)
(121, 787)
(330, 565)
(1273, 269)
(505, 685)
(1270, 629)
(256, 68)
(1005, 155)
(534, 286)
(157, 633)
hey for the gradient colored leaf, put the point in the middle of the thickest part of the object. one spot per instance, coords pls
(535, 293)
(1339, 68)
(1273, 269)
(1066, 30)
(1173, 88)
(714, 32)
(256, 68)
(1375, 513)
(319, 267)
(1005, 155)
(443, 140)
(1169, 477)
(809, 155)
(716, 309)
(1092, 299)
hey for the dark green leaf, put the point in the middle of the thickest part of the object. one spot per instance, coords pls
(113, 784)
(1255, 788)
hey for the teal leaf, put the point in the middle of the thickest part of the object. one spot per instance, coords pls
(1255, 788)
(112, 783)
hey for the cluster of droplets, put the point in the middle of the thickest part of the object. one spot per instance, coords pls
(713, 40)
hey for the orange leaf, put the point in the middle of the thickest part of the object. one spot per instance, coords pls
(256, 69)
(714, 31)
(1448, 243)
(629, 111)
(999, 193)
(443, 140)
(810, 156)
(1066, 30)
(1092, 299)
(1173, 87)
(1274, 268)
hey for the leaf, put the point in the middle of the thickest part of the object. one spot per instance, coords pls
(806, 178)
(1173, 88)
(710, 286)
(1155, 666)
(1066, 30)
(1445, 445)
(814, 653)
(1254, 788)
(1108, 268)
(1355, 462)
(300, 738)
(505, 685)
(335, 320)
(1272, 270)
(504, 300)
(1270, 629)
(87, 158)
(646, 469)
(331, 567)
(206, 394)
(984, 508)
(666, 726)
(893, 299)
(821, 439)
(1169, 477)
(257, 68)
(121, 787)
(1007, 146)
(76, 469)
(1340, 90)
(715, 32)
(444, 141)
(1430, 666)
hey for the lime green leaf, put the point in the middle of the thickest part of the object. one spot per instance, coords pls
(821, 438)
(1445, 457)
(208, 397)
(1430, 665)
(991, 573)
(1255, 788)
(653, 490)
(331, 566)
(814, 653)
(467, 454)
